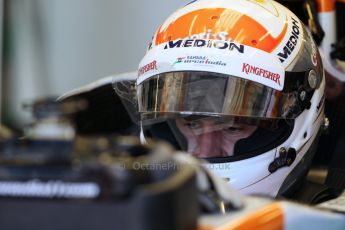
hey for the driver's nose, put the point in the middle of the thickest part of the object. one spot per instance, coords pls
(208, 142)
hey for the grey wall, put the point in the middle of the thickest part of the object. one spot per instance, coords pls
(58, 45)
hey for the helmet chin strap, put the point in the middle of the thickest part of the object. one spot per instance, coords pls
(142, 136)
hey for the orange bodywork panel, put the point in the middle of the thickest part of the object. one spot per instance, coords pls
(325, 5)
(270, 217)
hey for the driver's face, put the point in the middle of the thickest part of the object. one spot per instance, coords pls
(211, 138)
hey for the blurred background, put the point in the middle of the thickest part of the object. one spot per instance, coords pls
(52, 46)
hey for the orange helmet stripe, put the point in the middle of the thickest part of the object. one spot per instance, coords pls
(211, 23)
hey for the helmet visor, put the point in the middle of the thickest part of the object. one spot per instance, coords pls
(176, 94)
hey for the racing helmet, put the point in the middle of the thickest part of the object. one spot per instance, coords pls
(239, 83)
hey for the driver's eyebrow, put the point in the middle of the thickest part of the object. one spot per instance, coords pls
(225, 122)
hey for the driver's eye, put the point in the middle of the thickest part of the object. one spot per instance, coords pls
(234, 129)
(192, 124)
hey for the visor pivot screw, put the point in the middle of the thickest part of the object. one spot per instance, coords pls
(302, 95)
(312, 79)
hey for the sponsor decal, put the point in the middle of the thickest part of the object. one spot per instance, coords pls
(179, 60)
(250, 69)
(291, 43)
(223, 35)
(199, 60)
(147, 67)
(49, 189)
(207, 43)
